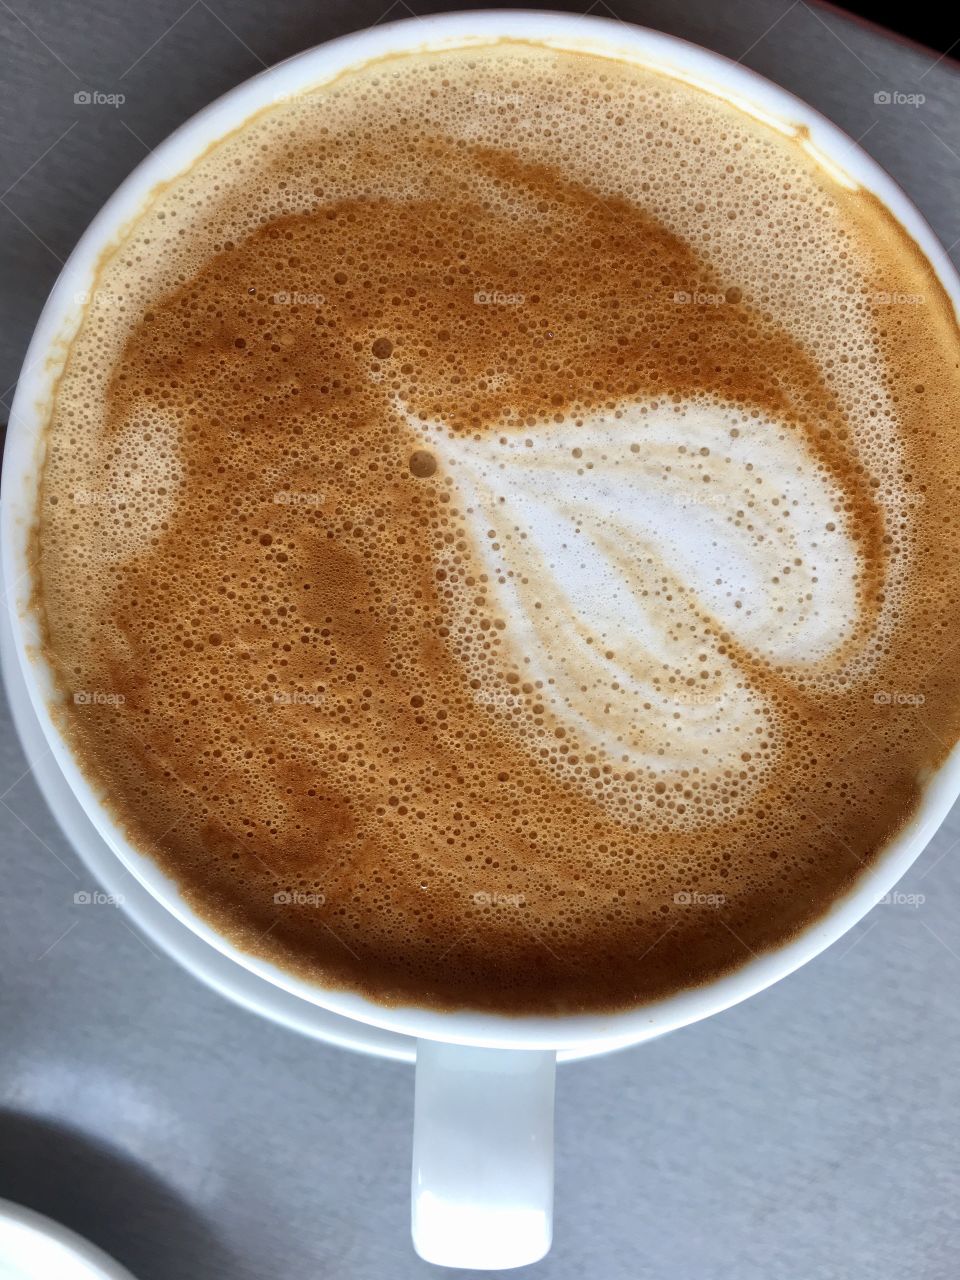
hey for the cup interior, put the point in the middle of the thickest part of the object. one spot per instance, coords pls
(48, 349)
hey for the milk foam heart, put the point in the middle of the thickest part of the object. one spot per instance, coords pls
(623, 546)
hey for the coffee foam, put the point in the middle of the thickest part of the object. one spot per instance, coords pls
(504, 499)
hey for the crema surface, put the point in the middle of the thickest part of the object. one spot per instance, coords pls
(497, 541)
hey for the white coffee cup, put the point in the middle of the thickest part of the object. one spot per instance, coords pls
(483, 1126)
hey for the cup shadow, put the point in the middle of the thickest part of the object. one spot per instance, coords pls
(109, 1199)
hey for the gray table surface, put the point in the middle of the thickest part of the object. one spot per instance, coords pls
(811, 1132)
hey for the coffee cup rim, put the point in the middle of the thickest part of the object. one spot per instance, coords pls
(23, 459)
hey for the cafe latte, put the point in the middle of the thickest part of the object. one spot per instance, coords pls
(497, 541)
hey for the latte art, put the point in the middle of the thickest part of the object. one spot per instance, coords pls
(617, 579)
(512, 532)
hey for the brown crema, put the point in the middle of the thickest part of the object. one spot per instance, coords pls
(497, 541)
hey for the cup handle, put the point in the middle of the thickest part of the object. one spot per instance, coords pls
(482, 1155)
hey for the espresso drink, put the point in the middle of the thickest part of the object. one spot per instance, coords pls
(498, 537)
